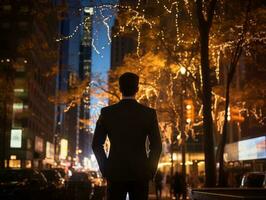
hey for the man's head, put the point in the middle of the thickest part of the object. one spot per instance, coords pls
(128, 83)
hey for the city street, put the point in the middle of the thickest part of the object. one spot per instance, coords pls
(129, 91)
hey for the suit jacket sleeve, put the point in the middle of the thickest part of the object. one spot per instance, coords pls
(98, 141)
(155, 144)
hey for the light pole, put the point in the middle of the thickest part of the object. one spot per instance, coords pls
(183, 72)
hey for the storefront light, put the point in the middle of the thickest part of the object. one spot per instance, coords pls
(63, 149)
(19, 90)
(16, 138)
(18, 107)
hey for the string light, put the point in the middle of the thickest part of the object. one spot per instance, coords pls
(176, 25)
(94, 47)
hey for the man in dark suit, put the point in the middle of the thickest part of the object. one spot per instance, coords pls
(128, 124)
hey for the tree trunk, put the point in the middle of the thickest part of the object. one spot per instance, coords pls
(210, 171)
(222, 182)
(204, 26)
(230, 76)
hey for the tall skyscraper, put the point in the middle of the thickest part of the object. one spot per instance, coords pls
(85, 136)
(75, 70)
(68, 76)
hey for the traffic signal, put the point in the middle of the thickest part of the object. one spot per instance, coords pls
(189, 110)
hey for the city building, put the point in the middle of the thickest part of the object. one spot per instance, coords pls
(29, 55)
(67, 79)
(121, 46)
(85, 136)
(75, 73)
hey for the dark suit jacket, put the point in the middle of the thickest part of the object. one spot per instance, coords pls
(127, 125)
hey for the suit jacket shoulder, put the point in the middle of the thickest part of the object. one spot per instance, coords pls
(147, 109)
(116, 107)
(109, 108)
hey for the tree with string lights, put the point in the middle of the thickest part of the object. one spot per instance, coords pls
(190, 43)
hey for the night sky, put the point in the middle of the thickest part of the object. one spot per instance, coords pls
(100, 56)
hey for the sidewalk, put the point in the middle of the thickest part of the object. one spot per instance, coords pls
(153, 197)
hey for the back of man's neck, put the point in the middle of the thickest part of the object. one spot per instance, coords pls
(128, 97)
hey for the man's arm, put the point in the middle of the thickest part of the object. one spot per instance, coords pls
(98, 141)
(155, 144)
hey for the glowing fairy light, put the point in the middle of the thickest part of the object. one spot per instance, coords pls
(138, 44)
(104, 21)
(187, 8)
(138, 5)
(108, 28)
(176, 25)
(94, 47)
(71, 35)
(169, 10)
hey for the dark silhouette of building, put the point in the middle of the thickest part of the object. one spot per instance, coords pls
(85, 136)
(75, 68)
(30, 54)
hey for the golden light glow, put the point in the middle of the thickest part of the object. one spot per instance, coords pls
(183, 70)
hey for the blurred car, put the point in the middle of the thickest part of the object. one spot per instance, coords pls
(79, 186)
(54, 179)
(18, 184)
(61, 172)
(99, 185)
(96, 179)
(56, 184)
(254, 179)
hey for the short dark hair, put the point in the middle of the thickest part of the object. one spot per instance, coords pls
(128, 83)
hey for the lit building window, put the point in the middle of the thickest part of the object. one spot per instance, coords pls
(16, 138)
(63, 148)
(28, 164)
(14, 163)
(38, 144)
(19, 90)
(18, 107)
